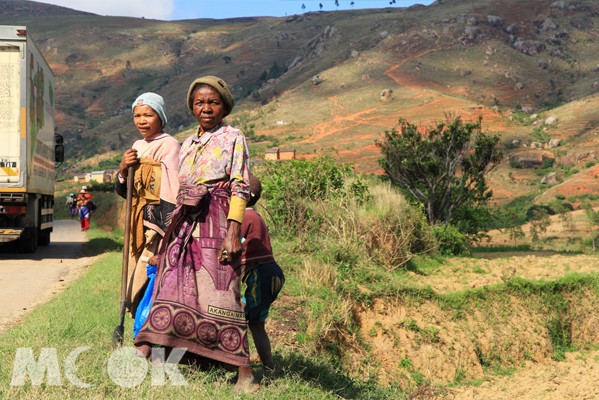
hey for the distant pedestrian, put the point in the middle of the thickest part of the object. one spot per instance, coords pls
(261, 273)
(84, 199)
(71, 204)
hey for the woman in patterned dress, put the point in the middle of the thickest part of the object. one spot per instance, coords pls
(196, 301)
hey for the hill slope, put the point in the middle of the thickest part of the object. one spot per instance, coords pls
(503, 60)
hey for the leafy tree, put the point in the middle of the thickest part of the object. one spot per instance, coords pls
(444, 169)
(539, 223)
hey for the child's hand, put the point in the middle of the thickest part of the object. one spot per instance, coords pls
(153, 260)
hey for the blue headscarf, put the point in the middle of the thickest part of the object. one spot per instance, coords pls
(155, 101)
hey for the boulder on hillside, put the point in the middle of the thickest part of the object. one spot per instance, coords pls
(558, 4)
(549, 179)
(472, 21)
(527, 110)
(543, 63)
(317, 80)
(578, 157)
(386, 94)
(553, 143)
(531, 159)
(494, 20)
(548, 25)
(471, 32)
(529, 47)
(551, 120)
(536, 145)
(558, 53)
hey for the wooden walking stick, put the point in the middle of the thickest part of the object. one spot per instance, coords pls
(119, 331)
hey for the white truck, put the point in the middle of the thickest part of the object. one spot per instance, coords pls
(29, 146)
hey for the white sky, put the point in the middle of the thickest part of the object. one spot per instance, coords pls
(191, 9)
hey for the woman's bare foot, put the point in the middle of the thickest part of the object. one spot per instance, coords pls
(245, 381)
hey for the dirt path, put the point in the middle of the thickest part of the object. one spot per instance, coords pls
(28, 280)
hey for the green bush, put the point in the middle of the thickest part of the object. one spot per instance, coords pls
(450, 241)
(291, 188)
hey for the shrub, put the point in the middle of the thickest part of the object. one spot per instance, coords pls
(290, 190)
(386, 230)
(450, 241)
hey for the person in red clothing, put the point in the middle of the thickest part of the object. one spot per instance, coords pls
(83, 200)
(261, 273)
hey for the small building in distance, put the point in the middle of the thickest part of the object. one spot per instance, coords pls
(271, 155)
(98, 176)
(79, 178)
(279, 154)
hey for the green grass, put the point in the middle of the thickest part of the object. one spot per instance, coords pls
(86, 314)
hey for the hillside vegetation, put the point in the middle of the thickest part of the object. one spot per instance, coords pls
(370, 308)
(516, 63)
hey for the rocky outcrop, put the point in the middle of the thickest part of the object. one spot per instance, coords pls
(531, 159)
(548, 25)
(494, 20)
(314, 48)
(553, 143)
(549, 179)
(386, 94)
(530, 47)
(578, 157)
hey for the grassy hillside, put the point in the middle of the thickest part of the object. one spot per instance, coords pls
(503, 60)
(368, 311)
(516, 63)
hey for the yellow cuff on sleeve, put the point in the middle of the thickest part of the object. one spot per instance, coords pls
(237, 209)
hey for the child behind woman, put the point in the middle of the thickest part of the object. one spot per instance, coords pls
(261, 273)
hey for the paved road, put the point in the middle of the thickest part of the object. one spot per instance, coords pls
(27, 280)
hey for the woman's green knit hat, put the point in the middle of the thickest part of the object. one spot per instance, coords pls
(218, 84)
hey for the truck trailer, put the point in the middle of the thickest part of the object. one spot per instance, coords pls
(29, 145)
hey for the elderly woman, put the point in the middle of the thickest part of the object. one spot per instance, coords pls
(196, 299)
(155, 187)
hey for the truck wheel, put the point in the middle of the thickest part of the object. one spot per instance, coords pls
(28, 242)
(44, 238)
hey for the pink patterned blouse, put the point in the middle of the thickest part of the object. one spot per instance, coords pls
(220, 154)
